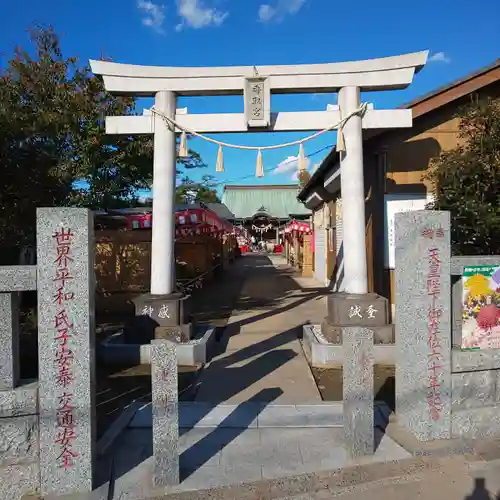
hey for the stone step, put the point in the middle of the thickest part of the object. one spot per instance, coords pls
(412, 478)
(257, 415)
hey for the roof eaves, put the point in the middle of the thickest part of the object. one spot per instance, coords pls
(448, 86)
(377, 134)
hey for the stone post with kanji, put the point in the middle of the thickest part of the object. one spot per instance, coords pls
(66, 345)
(423, 324)
(357, 322)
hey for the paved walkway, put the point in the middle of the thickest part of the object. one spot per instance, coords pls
(258, 414)
(260, 354)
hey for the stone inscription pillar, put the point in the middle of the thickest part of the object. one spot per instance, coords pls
(358, 391)
(165, 413)
(66, 334)
(423, 323)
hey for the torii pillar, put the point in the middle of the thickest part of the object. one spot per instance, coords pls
(353, 193)
(164, 304)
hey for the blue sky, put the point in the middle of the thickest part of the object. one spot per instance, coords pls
(257, 32)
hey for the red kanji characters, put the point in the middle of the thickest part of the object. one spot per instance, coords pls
(428, 233)
(62, 275)
(63, 256)
(439, 232)
(67, 455)
(61, 320)
(434, 285)
(66, 436)
(65, 411)
(63, 237)
(60, 297)
(64, 357)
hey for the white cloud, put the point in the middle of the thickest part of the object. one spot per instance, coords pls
(153, 14)
(278, 12)
(266, 13)
(291, 165)
(196, 15)
(288, 165)
(439, 57)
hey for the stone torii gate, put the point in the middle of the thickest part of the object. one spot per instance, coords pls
(349, 79)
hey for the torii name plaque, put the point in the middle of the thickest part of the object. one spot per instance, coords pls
(257, 95)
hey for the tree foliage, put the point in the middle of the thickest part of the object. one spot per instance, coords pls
(53, 146)
(203, 191)
(467, 181)
(303, 178)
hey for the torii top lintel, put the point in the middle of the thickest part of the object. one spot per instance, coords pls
(385, 73)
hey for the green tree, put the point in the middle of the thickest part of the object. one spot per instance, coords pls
(467, 181)
(204, 191)
(303, 178)
(53, 145)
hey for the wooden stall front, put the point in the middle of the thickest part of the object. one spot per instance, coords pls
(123, 258)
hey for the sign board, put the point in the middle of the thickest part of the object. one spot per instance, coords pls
(257, 96)
(396, 203)
(481, 307)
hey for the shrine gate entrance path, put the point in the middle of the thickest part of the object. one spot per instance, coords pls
(260, 352)
(258, 413)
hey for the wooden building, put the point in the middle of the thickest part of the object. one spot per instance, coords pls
(395, 163)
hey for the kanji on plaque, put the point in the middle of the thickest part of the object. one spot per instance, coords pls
(355, 311)
(257, 93)
(64, 358)
(256, 102)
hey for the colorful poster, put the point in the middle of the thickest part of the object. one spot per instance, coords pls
(481, 307)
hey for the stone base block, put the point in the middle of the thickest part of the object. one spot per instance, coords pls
(333, 333)
(159, 311)
(164, 310)
(178, 334)
(114, 351)
(322, 354)
(352, 309)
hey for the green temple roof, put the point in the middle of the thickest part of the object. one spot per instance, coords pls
(278, 201)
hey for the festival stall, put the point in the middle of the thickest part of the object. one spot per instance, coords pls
(294, 233)
(241, 235)
(203, 242)
(188, 221)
